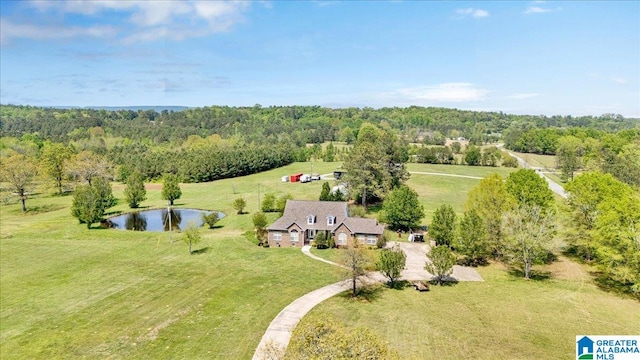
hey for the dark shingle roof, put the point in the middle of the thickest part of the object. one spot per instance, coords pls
(297, 211)
(363, 226)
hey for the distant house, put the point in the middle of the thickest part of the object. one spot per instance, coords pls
(303, 220)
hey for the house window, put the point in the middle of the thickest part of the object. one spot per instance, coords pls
(294, 236)
(372, 239)
(310, 219)
(331, 220)
(342, 239)
(361, 238)
(277, 236)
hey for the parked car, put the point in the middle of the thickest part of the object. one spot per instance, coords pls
(305, 178)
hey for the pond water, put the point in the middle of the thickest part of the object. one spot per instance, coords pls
(158, 219)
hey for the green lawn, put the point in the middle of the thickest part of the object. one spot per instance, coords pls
(434, 190)
(66, 291)
(70, 292)
(502, 318)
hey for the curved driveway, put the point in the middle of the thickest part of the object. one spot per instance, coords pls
(278, 333)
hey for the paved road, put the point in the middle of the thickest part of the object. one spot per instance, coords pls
(554, 186)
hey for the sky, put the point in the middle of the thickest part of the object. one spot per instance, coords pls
(551, 58)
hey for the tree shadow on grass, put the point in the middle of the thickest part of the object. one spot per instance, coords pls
(448, 281)
(611, 286)
(398, 285)
(365, 293)
(204, 250)
(39, 209)
(533, 274)
(215, 227)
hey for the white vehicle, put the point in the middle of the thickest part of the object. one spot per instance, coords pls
(285, 178)
(305, 178)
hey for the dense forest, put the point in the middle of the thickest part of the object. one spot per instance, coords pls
(297, 124)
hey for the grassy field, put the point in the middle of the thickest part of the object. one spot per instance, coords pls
(66, 291)
(434, 190)
(536, 160)
(504, 317)
(70, 292)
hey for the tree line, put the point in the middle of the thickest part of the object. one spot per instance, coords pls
(299, 124)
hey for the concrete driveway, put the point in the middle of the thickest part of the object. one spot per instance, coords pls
(416, 257)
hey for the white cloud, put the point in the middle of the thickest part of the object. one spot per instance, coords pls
(476, 13)
(536, 10)
(445, 92)
(619, 80)
(523, 95)
(148, 20)
(10, 30)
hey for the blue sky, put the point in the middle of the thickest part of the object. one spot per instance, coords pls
(577, 58)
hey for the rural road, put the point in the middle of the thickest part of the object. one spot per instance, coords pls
(279, 332)
(554, 186)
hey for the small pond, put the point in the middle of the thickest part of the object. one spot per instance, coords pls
(158, 219)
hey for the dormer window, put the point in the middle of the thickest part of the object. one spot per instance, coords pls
(331, 220)
(311, 219)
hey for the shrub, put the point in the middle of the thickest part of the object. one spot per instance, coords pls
(211, 219)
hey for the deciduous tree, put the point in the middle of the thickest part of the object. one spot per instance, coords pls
(281, 203)
(618, 238)
(260, 224)
(472, 238)
(323, 338)
(443, 225)
(440, 262)
(87, 165)
(355, 259)
(390, 263)
(239, 204)
(20, 172)
(402, 209)
(268, 203)
(569, 156)
(529, 236)
(191, 236)
(211, 219)
(472, 156)
(530, 189)
(489, 199)
(586, 193)
(54, 161)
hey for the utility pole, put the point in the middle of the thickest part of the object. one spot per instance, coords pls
(169, 213)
